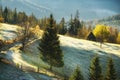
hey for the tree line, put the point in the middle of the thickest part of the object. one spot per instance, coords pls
(14, 17)
(74, 27)
(79, 29)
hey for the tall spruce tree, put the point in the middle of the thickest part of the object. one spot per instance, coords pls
(50, 46)
(110, 73)
(77, 75)
(5, 14)
(1, 11)
(71, 26)
(62, 27)
(15, 16)
(95, 72)
(74, 25)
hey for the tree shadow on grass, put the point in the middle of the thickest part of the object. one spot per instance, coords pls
(82, 57)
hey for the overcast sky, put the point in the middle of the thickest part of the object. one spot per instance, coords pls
(88, 9)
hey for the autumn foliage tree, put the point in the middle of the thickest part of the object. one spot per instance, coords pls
(101, 32)
(113, 35)
(118, 38)
(83, 32)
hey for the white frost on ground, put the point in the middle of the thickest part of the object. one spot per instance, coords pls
(80, 52)
(89, 45)
(8, 32)
(76, 52)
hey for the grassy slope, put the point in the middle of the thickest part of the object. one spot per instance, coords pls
(9, 72)
(79, 52)
(76, 52)
(9, 30)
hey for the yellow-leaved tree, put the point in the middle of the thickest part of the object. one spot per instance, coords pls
(118, 38)
(102, 33)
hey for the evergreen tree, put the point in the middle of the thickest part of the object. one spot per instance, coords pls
(95, 72)
(77, 23)
(22, 18)
(74, 25)
(71, 27)
(15, 17)
(110, 73)
(44, 23)
(5, 14)
(62, 28)
(50, 46)
(32, 19)
(77, 75)
(1, 12)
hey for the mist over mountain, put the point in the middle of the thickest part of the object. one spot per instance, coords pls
(111, 18)
(113, 21)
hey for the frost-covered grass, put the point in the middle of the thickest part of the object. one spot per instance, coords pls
(80, 52)
(76, 52)
(9, 72)
(16, 56)
(8, 32)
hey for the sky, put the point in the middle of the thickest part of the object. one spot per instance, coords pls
(88, 9)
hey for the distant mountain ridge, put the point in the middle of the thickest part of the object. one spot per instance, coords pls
(111, 18)
(113, 21)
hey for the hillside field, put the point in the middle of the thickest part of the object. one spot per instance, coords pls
(76, 52)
